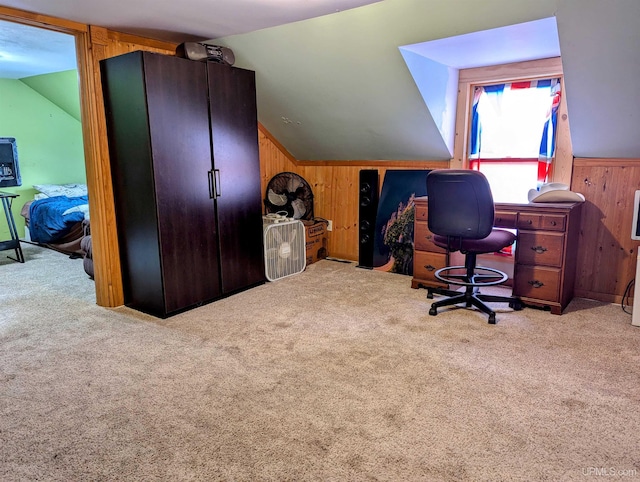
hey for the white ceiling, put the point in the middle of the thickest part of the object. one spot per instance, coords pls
(533, 40)
(26, 51)
(198, 19)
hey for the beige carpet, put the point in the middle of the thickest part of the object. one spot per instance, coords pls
(335, 374)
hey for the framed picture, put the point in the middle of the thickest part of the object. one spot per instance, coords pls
(393, 243)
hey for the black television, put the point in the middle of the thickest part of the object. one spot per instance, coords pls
(9, 168)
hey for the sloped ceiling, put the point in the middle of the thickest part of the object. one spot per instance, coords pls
(61, 88)
(435, 65)
(338, 87)
(601, 61)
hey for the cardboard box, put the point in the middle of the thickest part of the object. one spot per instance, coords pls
(316, 239)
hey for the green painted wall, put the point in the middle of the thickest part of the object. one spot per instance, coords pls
(49, 140)
(61, 88)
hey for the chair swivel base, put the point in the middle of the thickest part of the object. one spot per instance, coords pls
(472, 280)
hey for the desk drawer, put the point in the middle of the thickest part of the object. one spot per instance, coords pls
(425, 264)
(422, 239)
(421, 212)
(537, 282)
(505, 219)
(540, 248)
(549, 222)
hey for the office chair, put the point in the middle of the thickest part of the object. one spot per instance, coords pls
(461, 213)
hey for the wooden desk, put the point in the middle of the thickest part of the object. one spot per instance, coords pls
(545, 257)
(13, 243)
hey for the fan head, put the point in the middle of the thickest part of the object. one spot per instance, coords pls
(290, 194)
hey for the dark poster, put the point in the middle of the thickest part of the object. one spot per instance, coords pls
(393, 244)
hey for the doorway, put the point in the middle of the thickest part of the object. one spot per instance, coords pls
(40, 107)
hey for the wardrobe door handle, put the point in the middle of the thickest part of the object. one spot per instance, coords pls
(211, 190)
(217, 184)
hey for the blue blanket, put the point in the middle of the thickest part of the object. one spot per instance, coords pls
(48, 221)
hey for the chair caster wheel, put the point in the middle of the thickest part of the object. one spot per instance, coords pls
(429, 295)
(433, 311)
(516, 305)
(492, 319)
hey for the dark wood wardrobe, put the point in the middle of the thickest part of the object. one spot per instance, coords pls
(183, 144)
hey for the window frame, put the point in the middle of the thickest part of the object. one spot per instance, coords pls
(515, 72)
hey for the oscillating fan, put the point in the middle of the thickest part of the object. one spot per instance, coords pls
(284, 247)
(288, 193)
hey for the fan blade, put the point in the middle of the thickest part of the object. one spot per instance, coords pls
(294, 184)
(299, 208)
(276, 199)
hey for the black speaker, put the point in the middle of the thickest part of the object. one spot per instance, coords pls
(368, 209)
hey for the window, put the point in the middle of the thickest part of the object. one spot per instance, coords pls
(512, 135)
(468, 79)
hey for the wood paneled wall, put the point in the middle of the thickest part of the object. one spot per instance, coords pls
(606, 253)
(335, 186)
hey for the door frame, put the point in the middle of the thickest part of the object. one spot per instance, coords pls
(108, 278)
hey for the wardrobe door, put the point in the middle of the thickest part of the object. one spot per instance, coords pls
(180, 140)
(131, 161)
(234, 130)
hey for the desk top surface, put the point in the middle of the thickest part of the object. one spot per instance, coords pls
(526, 206)
(8, 194)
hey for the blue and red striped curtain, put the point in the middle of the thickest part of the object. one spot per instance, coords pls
(548, 135)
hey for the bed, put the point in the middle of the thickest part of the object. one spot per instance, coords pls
(58, 217)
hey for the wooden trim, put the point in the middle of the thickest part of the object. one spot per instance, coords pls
(601, 162)
(527, 70)
(595, 295)
(407, 164)
(109, 290)
(121, 37)
(41, 21)
(518, 71)
(417, 164)
(276, 143)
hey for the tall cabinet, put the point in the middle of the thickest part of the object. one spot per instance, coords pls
(183, 144)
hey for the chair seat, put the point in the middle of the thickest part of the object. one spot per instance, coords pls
(497, 240)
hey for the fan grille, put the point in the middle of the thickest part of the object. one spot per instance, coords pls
(284, 249)
(290, 194)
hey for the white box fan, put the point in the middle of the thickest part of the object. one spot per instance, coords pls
(284, 247)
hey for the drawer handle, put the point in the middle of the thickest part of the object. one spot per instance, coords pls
(529, 221)
(536, 284)
(553, 223)
(428, 267)
(428, 237)
(539, 249)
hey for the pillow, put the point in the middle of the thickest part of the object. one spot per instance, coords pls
(82, 208)
(69, 190)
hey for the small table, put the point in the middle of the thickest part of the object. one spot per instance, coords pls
(14, 242)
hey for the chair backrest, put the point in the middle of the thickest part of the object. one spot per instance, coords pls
(460, 203)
